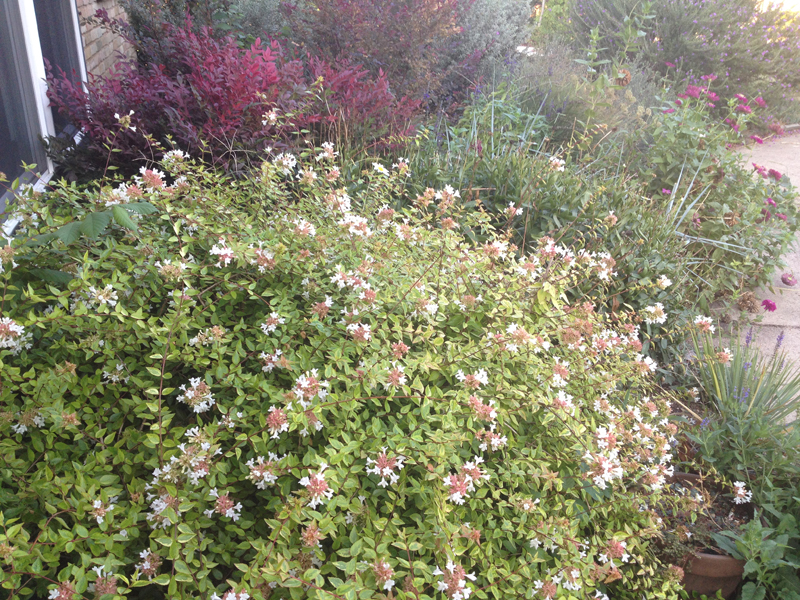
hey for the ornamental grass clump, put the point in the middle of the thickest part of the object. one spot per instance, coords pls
(751, 432)
(284, 387)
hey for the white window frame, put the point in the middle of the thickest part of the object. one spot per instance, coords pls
(33, 51)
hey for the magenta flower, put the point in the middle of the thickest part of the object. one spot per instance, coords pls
(781, 216)
(760, 101)
(766, 214)
(788, 279)
(743, 108)
(666, 191)
(712, 96)
(756, 139)
(693, 91)
(679, 102)
(669, 64)
(734, 125)
(740, 97)
(770, 202)
(769, 305)
(682, 95)
(669, 111)
(710, 77)
(775, 174)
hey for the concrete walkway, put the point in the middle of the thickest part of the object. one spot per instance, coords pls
(782, 154)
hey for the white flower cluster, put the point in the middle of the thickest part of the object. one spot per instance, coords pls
(557, 163)
(655, 314)
(262, 471)
(356, 225)
(742, 494)
(105, 296)
(117, 375)
(704, 323)
(26, 419)
(173, 159)
(286, 162)
(224, 253)
(231, 595)
(385, 467)
(454, 581)
(13, 336)
(198, 396)
(272, 322)
(528, 51)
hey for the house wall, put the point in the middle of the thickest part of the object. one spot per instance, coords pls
(101, 47)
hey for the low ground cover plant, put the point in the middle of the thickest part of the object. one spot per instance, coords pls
(274, 387)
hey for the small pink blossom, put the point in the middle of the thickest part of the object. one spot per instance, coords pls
(317, 488)
(769, 305)
(223, 252)
(383, 574)
(473, 381)
(386, 467)
(277, 422)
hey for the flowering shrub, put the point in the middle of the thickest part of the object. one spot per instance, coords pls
(728, 214)
(272, 388)
(683, 209)
(222, 102)
(752, 46)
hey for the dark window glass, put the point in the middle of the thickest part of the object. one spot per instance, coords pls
(19, 123)
(57, 37)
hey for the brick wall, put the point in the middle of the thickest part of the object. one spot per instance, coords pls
(101, 47)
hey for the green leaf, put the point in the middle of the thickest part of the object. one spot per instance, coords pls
(51, 275)
(69, 232)
(95, 224)
(162, 579)
(142, 208)
(122, 218)
(751, 591)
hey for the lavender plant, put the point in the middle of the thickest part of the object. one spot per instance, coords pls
(752, 439)
(283, 387)
(752, 432)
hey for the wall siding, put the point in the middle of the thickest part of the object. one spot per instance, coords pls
(101, 47)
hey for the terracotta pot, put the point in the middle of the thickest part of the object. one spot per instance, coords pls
(708, 573)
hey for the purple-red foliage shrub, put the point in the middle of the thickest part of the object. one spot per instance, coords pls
(406, 39)
(214, 98)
